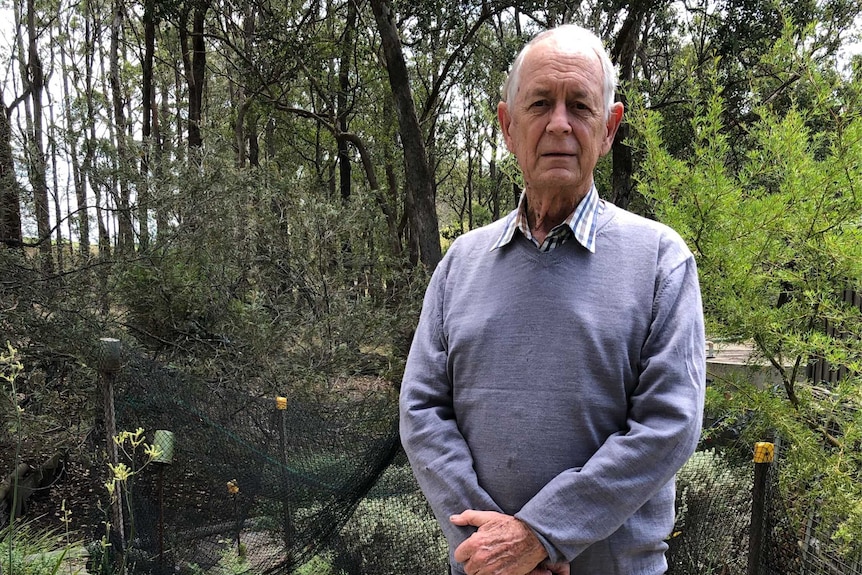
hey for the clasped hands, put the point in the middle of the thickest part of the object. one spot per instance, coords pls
(502, 545)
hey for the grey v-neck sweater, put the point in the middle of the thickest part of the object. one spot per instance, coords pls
(565, 388)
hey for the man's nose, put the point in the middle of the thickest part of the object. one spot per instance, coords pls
(558, 123)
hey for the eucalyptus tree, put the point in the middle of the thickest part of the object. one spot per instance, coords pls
(474, 178)
(419, 185)
(343, 101)
(33, 81)
(443, 38)
(94, 18)
(656, 44)
(122, 126)
(280, 57)
(193, 45)
(308, 72)
(10, 202)
(70, 64)
(149, 118)
(164, 148)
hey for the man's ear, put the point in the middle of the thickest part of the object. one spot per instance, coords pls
(505, 120)
(615, 118)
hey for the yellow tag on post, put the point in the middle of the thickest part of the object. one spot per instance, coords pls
(764, 452)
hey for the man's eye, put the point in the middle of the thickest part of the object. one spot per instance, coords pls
(539, 103)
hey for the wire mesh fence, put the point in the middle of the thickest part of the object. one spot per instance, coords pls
(321, 487)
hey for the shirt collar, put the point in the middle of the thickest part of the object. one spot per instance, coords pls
(582, 221)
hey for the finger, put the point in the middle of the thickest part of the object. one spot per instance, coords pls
(473, 517)
(461, 555)
(464, 551)
(556, 568)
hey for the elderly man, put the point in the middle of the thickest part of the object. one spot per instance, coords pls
(555, 382)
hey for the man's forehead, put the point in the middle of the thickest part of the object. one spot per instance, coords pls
(546, 65)
(573, 89)
(562, 49)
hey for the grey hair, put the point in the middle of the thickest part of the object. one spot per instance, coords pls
(569, 34)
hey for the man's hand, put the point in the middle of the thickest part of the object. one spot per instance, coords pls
(546, 568)
(502, 545)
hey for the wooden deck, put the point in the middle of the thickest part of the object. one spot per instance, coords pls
(736, 362)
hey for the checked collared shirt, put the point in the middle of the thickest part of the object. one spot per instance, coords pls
(581, 224)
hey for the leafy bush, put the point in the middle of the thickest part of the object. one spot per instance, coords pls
(318, 565)
(711, 491)
(774, 224)
(396, 522)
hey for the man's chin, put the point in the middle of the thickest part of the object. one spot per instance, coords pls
(557, 179)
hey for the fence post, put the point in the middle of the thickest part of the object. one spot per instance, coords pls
(110, 352)
(764, 453)
(287, 522)
(164, 440)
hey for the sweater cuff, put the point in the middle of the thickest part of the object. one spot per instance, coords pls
(554, 554)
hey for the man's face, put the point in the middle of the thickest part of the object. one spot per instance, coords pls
(556, 126)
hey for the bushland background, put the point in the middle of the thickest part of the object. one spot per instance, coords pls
(255, 192)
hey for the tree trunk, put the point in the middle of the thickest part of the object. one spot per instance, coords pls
(91, 32)
(179, 150)
(17, 487)
(90, 122)
(55, 188)
(162, 152)
(77, 176)
(387, 199)
(342, 104)
(239, 101)
(239, 127)
(10, 207)
(194, 64)
(623, 54)
(125, 233)
(148, 102)
(106, 189)
(422, 213)
(493, 175)
(36, 167)
(253, 137)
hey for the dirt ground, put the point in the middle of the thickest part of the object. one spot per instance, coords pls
(77, 489)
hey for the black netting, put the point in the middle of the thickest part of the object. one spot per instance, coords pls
(324, 489)
(712, 534)
(301, 471)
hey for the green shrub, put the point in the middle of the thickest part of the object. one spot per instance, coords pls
(711, 491)
(394, 522)
(318, 565)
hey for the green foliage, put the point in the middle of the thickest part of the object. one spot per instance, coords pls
(261, 276)
(231, 563)
(318, 565)
(271, 285)
(774, 223)
(395, 522)
(480, 216)
(711, 491)
(26, 550)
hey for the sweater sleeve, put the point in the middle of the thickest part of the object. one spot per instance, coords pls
(441, 460)
(584, 505)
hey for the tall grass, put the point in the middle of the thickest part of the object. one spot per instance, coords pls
(35, 551)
